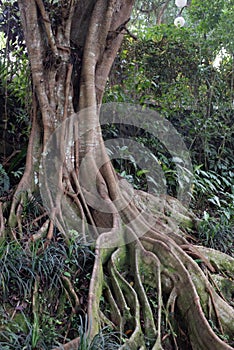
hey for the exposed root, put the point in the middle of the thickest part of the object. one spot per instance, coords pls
(194, 253)
(119, 297)
(26, 185)
(71, 345)
(221, 261)
(71, 294)
(41, 232)
(162, 260)
(183, 296)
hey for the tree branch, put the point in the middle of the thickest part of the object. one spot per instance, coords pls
(47, 25)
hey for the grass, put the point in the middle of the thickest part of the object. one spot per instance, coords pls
(36, 310)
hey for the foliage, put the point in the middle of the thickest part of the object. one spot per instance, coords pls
(171, 70)
(215, 20)
(4, 181)
(23, 267)
(211, 190)
(14, 114)
(217, 234)
(106, 339)
(151, 154)
(15, 92)
(11, 25)
(150, 12)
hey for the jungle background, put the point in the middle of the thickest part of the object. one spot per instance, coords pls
(187, 75)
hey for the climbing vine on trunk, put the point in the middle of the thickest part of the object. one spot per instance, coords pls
(71, 48)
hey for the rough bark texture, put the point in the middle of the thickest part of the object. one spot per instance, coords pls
(70, 62)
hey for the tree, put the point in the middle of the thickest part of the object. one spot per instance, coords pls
(174, 71)
(155, 11)
(71, 47)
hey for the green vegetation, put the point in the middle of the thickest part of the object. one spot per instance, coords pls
(44, 283)
(37, 292)
(172, 71)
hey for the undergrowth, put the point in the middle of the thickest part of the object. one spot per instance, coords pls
(42, 292)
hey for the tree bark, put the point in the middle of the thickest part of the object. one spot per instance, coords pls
(70, 62)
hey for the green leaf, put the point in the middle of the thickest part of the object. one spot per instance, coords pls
(67, 274)
(142, 172)
(215, 200)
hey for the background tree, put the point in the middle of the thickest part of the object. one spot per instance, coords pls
(176, 72)
(71, 47)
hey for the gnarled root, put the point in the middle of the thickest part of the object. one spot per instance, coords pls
(158, 265)
(153, 291)
(182, 289)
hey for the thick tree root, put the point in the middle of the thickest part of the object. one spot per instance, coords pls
(123, 275)
(152, 290)
(185, 297)
(128, 306)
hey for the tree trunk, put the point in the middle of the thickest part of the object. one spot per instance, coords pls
(71, 52)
